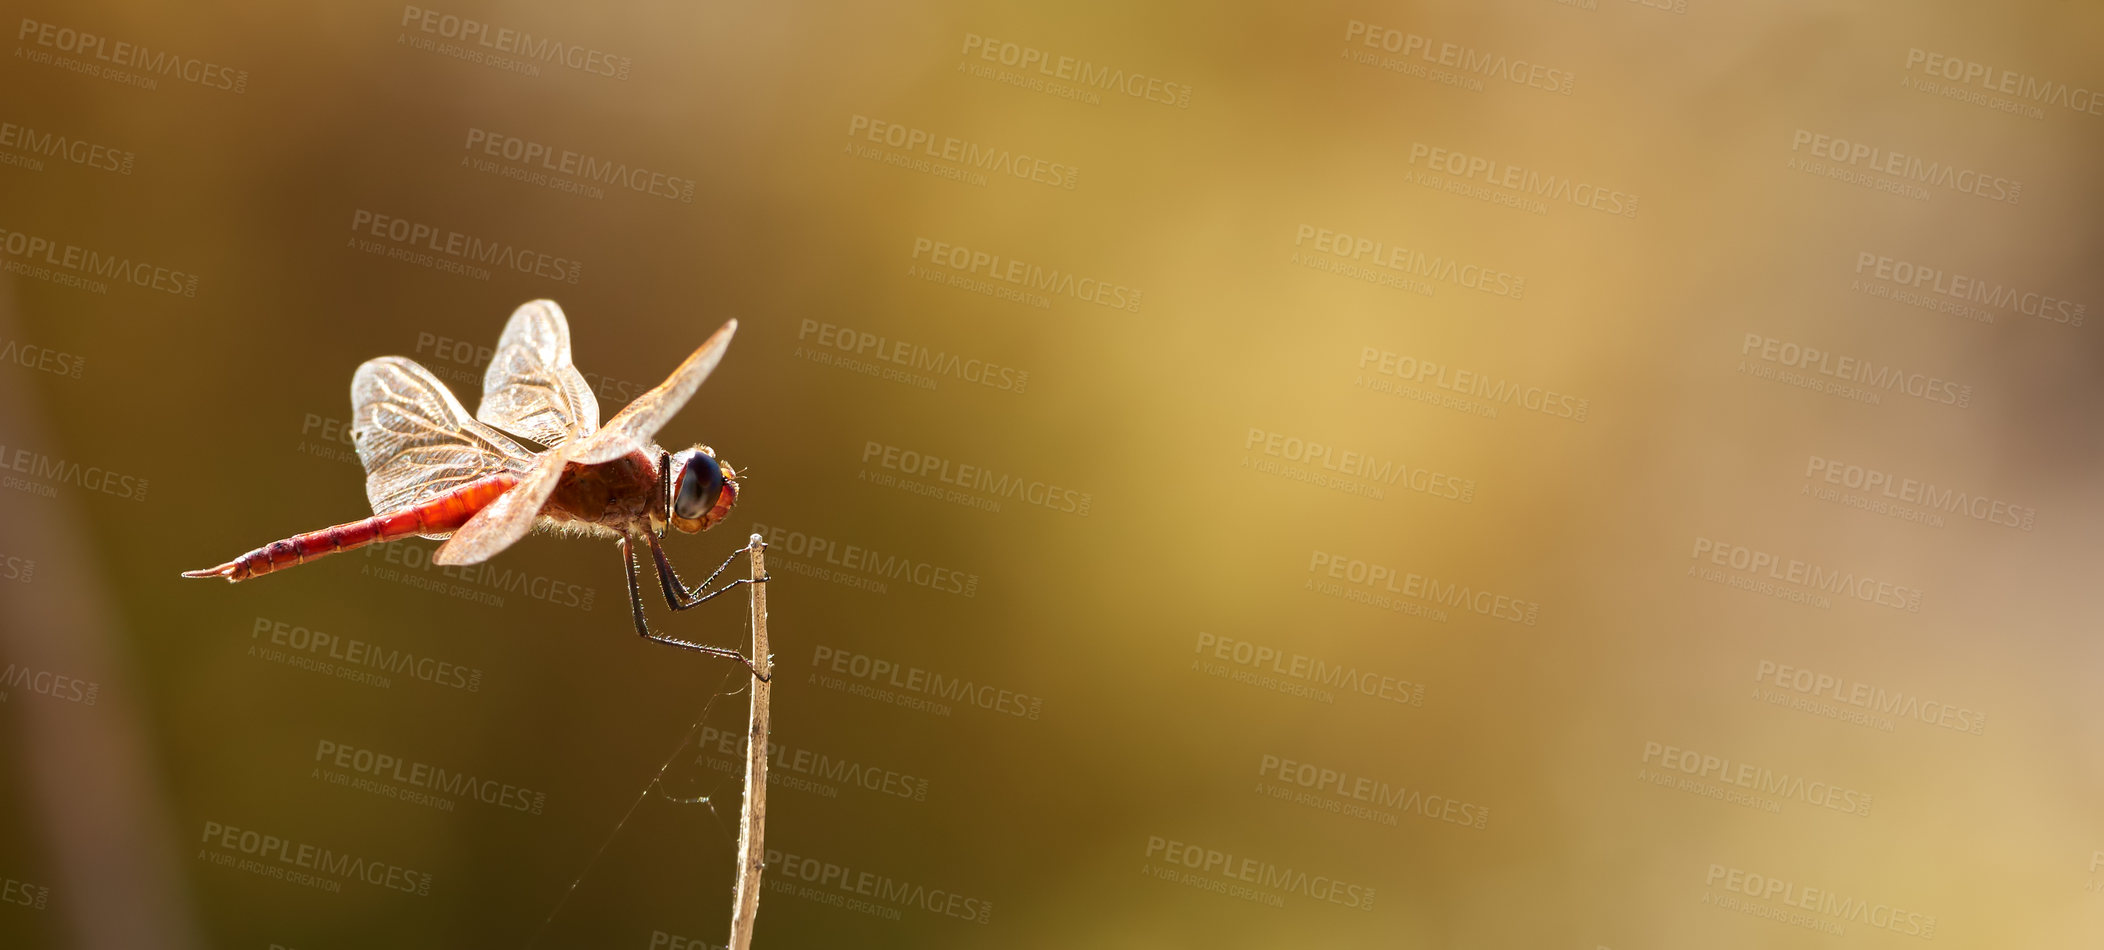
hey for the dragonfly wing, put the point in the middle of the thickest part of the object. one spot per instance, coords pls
(416, 440)
(531, 388)
(638, 424)
(507, 519)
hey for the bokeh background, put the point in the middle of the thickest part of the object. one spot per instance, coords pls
(1594, 474)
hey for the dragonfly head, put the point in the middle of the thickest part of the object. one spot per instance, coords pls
(701, 489)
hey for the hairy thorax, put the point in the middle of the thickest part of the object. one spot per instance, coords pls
(608, 498)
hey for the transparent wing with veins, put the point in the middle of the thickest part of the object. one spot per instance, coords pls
(512, 515)
(635, 426)
(531, 388)
(416, 440)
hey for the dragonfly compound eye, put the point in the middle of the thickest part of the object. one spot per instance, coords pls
(700, 485)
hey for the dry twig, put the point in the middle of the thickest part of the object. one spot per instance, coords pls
(752, 821)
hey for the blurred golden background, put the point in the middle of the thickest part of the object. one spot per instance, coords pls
(1592, 474)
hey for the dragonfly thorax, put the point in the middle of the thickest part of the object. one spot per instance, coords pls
(617, 494)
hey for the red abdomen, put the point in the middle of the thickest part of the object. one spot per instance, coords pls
(441, 514)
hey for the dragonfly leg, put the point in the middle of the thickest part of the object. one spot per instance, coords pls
(635, 603)
(676, 592)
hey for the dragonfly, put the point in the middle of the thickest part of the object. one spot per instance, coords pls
(433, 471)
